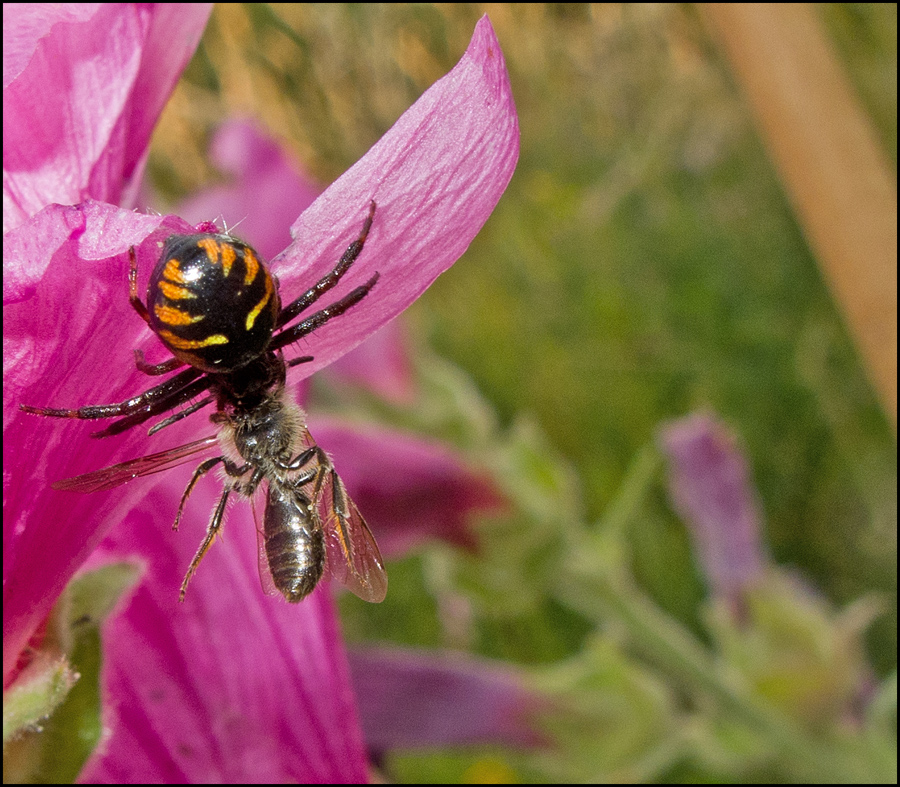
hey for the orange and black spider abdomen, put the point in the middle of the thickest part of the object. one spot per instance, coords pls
(212, 302)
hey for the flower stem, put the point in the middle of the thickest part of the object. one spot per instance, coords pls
(601, 589)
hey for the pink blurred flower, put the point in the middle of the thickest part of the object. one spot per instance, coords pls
(266, 191)
(230, 686)
(711, 489)
(415, 699)
(380, 364)
(412, 490)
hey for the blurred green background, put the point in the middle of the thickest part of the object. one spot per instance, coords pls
(643, 263)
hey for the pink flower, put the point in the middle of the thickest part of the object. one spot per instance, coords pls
(266, 192)
(231, 685)
(83, 87)
(412, 490)
(712, 491)
(415, 699)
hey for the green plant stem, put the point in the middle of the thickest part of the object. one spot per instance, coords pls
(601, 591)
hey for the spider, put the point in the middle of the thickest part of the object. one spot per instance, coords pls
(198, 286)
(215, 305)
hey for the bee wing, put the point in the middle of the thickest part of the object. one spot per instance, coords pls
(352, 554)
(258, 504)
(115, 475)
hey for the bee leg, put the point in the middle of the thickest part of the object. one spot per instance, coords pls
(215, 524)
(301, 460)
(201, 470)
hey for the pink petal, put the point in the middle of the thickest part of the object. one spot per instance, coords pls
(436, 176)
(231, 686)
(82, 130)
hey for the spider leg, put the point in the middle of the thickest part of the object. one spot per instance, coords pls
(155, 368)
(157, 407)
(330, 280)
(136, 303)
(317, 320)
(181, 414)
(141, 407)
(161, 392)
(301, 359)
